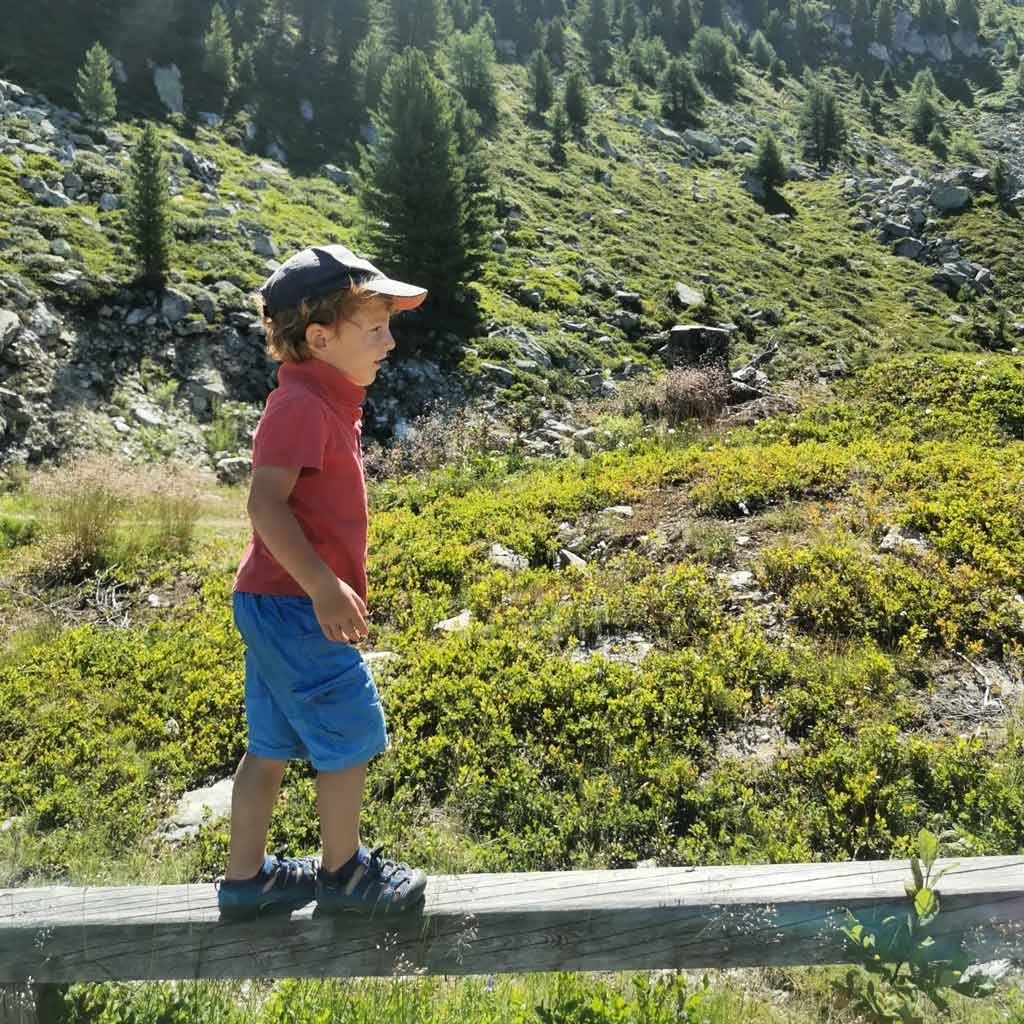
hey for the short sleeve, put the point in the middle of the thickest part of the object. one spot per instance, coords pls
(292, 432)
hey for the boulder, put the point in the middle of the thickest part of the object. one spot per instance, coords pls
(175, 305)
(752, 183)
(910, 248)
(337, 175)
(697, 345)
(744, 145)
(950, 198)
(263, 245)
(703, 142)
(108, 202)
(505, 558)
(191, 810)
(685, 296)
(10, 325)
(456, 624)
(235, 470)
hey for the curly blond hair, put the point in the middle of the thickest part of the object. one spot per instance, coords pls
(286, 329)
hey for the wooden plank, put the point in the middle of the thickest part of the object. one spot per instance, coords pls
(484, 924)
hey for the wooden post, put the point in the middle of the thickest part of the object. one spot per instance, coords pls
(485, 924)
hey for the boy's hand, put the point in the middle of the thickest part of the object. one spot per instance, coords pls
(340, 612)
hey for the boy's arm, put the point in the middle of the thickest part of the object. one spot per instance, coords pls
(339, 609)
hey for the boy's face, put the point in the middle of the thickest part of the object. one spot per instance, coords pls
(357, 346)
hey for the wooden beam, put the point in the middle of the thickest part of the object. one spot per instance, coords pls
(486, 924)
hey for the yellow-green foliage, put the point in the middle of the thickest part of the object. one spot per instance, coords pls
(513, 747)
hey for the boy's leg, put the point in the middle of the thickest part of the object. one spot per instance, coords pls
(339, 797)
(257, 783)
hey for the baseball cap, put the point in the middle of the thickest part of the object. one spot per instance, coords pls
(320, 269)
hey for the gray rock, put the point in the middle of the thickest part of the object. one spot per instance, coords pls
(619, 511)
(607, 148)
(456, 624)
(504, 558)
(276, 152)
(234, 470)
(306, 110)
(263, 245)
(108, 202)
(744, 145)
(950, 198)
(60, 247)
(211, 803)
(704, 142)
(498, 243)
(892, 229)
(72, 184)
(570, 560)
(175, 305)
(686, 296)
(167, 81)
(697, 345)
(902, 538)
(501, 375)
(10, 325)
(146, 416)
(337, 175)
(910, 248)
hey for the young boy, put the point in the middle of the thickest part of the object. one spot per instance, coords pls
(300, 592)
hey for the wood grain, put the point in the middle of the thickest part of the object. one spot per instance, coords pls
(485, 924)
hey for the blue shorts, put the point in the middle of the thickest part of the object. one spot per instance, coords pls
(305, 696)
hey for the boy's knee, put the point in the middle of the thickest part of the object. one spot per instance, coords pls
(263, 767)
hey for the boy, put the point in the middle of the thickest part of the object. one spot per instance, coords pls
(300, 592)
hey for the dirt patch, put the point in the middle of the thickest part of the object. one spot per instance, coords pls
(971, 698)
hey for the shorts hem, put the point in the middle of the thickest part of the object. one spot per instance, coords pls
(350, 761)
(277, 755)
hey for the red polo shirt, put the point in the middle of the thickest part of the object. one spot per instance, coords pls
(313, 420)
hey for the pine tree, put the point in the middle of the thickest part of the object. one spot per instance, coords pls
(629, 24)
(887, 81)
(412, 185)
(884, 20)
(597, 36)
(966, 13)
(471, 57)
(714, 60)
(681, 96)
(777, 71)
(370, 63)
(559, 135)
(770, 167)
(822, 125)
(861, 27)
(577, 99)
(94, 90)
(542, 83)
(937, 143)
(418, 23)
(924, 116)
(219, 52)
(686, 24)
(932, 16)
(554, 46)
(762, 53)
(1000, 180)
(865, 97)
(149, 208)
(711, 13)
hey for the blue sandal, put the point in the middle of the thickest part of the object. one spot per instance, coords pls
(376, 884)
(278, 886)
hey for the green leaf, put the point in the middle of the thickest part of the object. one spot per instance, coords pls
(926, 903)
(915, 867)
(928, 845)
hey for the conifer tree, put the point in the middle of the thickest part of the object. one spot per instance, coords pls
(711, 13)
(714, 60)
(861, 27)
(418, 23)
(884, 20)
(887, 81)
(629, 24)
(413, 185)
(148, 213)
(932, 16)
(577, 99)
(777, 71)
(542, 83)
(472, 59)
(966, 13)
(554, 45)
(822, 125)
(218, 51)
(597, 36)
(559, 135)
(770, 167)
(681, 96)
(1000, 180)
(94, 90)
(1020, 78)
(762, 53)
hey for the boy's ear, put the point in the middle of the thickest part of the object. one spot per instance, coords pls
(316, 336)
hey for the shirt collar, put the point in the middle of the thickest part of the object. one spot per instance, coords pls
(327, 379)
